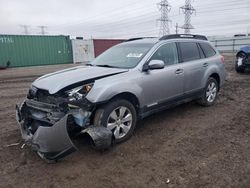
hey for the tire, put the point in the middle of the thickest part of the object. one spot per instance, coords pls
(116, 116)
(210, 93)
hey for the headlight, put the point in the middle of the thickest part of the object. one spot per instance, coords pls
(79, 92)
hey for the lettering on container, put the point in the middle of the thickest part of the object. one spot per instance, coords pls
(6, 40)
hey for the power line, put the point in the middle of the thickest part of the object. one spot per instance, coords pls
(165, 8)
(134, 10)
(112, 12)
(221, 4)
(139, 20)
(188, 10)
(119, 21)
(151, 33)
(135, 20)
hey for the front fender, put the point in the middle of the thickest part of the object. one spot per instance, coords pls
(104, 92)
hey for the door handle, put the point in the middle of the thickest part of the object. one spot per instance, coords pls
(179, 71)
(205, 64)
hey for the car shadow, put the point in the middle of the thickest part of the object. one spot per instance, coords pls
(85, 145)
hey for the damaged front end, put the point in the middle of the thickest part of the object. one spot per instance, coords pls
(48, 123)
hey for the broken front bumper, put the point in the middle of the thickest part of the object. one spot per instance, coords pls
(53, 141)
(50, 142)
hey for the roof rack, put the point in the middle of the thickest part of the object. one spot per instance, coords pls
(138, 38)
(186, 36)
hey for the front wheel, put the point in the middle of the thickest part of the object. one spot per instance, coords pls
(119, 116)
(210, 93)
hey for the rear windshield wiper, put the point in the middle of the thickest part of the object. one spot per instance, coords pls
(89, 64)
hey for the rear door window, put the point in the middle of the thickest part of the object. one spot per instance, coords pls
(201, 52)
(207, 49)
(189, 51)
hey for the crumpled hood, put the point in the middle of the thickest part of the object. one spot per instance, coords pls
(56, 81)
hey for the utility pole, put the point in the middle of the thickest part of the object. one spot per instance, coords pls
(25, 29)
(176, 28)
(164, 8)
(42, 27)
(188, 10)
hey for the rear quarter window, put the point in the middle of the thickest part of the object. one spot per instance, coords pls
(189, 51)
(207, 49)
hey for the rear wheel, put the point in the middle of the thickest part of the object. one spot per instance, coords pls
(119, 116)
(210, 93)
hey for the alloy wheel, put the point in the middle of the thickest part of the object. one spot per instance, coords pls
(211, 92)
(120, 121)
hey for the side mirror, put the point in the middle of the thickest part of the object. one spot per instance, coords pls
(154, 64)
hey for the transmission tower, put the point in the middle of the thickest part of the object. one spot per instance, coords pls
(165, 8)
(25, 29)
(42, 27)
(176, 28)
(188, 10)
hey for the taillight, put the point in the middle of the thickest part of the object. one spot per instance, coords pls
(222, 59)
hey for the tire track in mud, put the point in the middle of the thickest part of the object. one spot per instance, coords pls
(23, 77)
(15, 81)
(13, 90)
(31, 72)
(190, 145)
(4, 97)
(6, 110)
(14, 86)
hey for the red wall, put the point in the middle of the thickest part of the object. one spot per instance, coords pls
(101, 45)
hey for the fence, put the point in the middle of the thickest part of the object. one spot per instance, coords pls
(230, 45)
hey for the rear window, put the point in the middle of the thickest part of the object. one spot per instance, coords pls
(189, 51)
(207, 49)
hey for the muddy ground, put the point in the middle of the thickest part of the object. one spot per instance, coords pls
(187, 146)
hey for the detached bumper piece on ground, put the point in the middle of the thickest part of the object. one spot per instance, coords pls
(49, 132)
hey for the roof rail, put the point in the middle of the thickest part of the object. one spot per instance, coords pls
(186, 36)
(138, 38)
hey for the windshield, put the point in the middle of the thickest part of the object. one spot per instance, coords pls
(122, 56)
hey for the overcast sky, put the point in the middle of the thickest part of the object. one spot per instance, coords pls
(120, 18)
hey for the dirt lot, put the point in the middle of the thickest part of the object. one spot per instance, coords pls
(187, 146)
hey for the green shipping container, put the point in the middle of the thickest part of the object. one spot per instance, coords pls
(26, 50)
